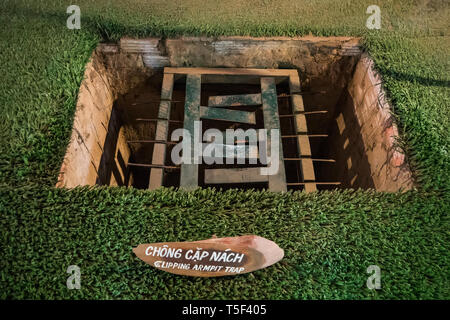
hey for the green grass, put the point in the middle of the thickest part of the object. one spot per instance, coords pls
(43, 61)
(416, 75)
(330, 238)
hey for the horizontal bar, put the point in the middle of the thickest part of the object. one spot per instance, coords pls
(298, 159)
(304, 112)
(235, 141)
(233, 71)
(235, 100)
(155, 101)
(227, 115)
(234, 151)
(152, 165)
(234, 175)
(312, 182)
(285, 95)
(152, 141)
(307, 135)
(158, 119)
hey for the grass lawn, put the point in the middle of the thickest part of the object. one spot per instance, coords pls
(330, 238)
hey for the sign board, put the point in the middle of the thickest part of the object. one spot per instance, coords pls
(214, 257)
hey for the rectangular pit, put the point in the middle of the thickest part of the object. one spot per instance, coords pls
(342, 97)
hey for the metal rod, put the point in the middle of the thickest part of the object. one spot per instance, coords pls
(298, 159)
(303, 134)
(304, 112)
(158, 119)
(283, 95)
(155, 101)
(152, 165)
(152, 141)
(303, 183)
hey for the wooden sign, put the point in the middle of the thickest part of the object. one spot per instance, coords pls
(214, 257)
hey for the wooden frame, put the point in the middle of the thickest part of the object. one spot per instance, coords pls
(268, 100)
(162, 130)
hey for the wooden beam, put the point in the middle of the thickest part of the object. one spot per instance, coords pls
(234, 175)
(162, 131)
(236, 79)
(227, 115)
(233, 71)
(300, 126)
(277, 182)
(234, 151)
(235, 100)
(189, 172)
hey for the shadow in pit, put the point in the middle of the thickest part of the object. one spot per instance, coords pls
(110, 163)
(346, 146)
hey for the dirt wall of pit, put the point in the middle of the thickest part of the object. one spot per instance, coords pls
(364, 136)
(334, 78)
(97, 152)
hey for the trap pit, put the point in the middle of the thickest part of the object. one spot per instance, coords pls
(342, 96)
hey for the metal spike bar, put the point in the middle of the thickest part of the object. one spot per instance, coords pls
(298, 159)
(308, 135)
(152, 141)
(155, 101)
(284, 95)
(304, 112)
(315, 182)
(159, 119)
(152, 165)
